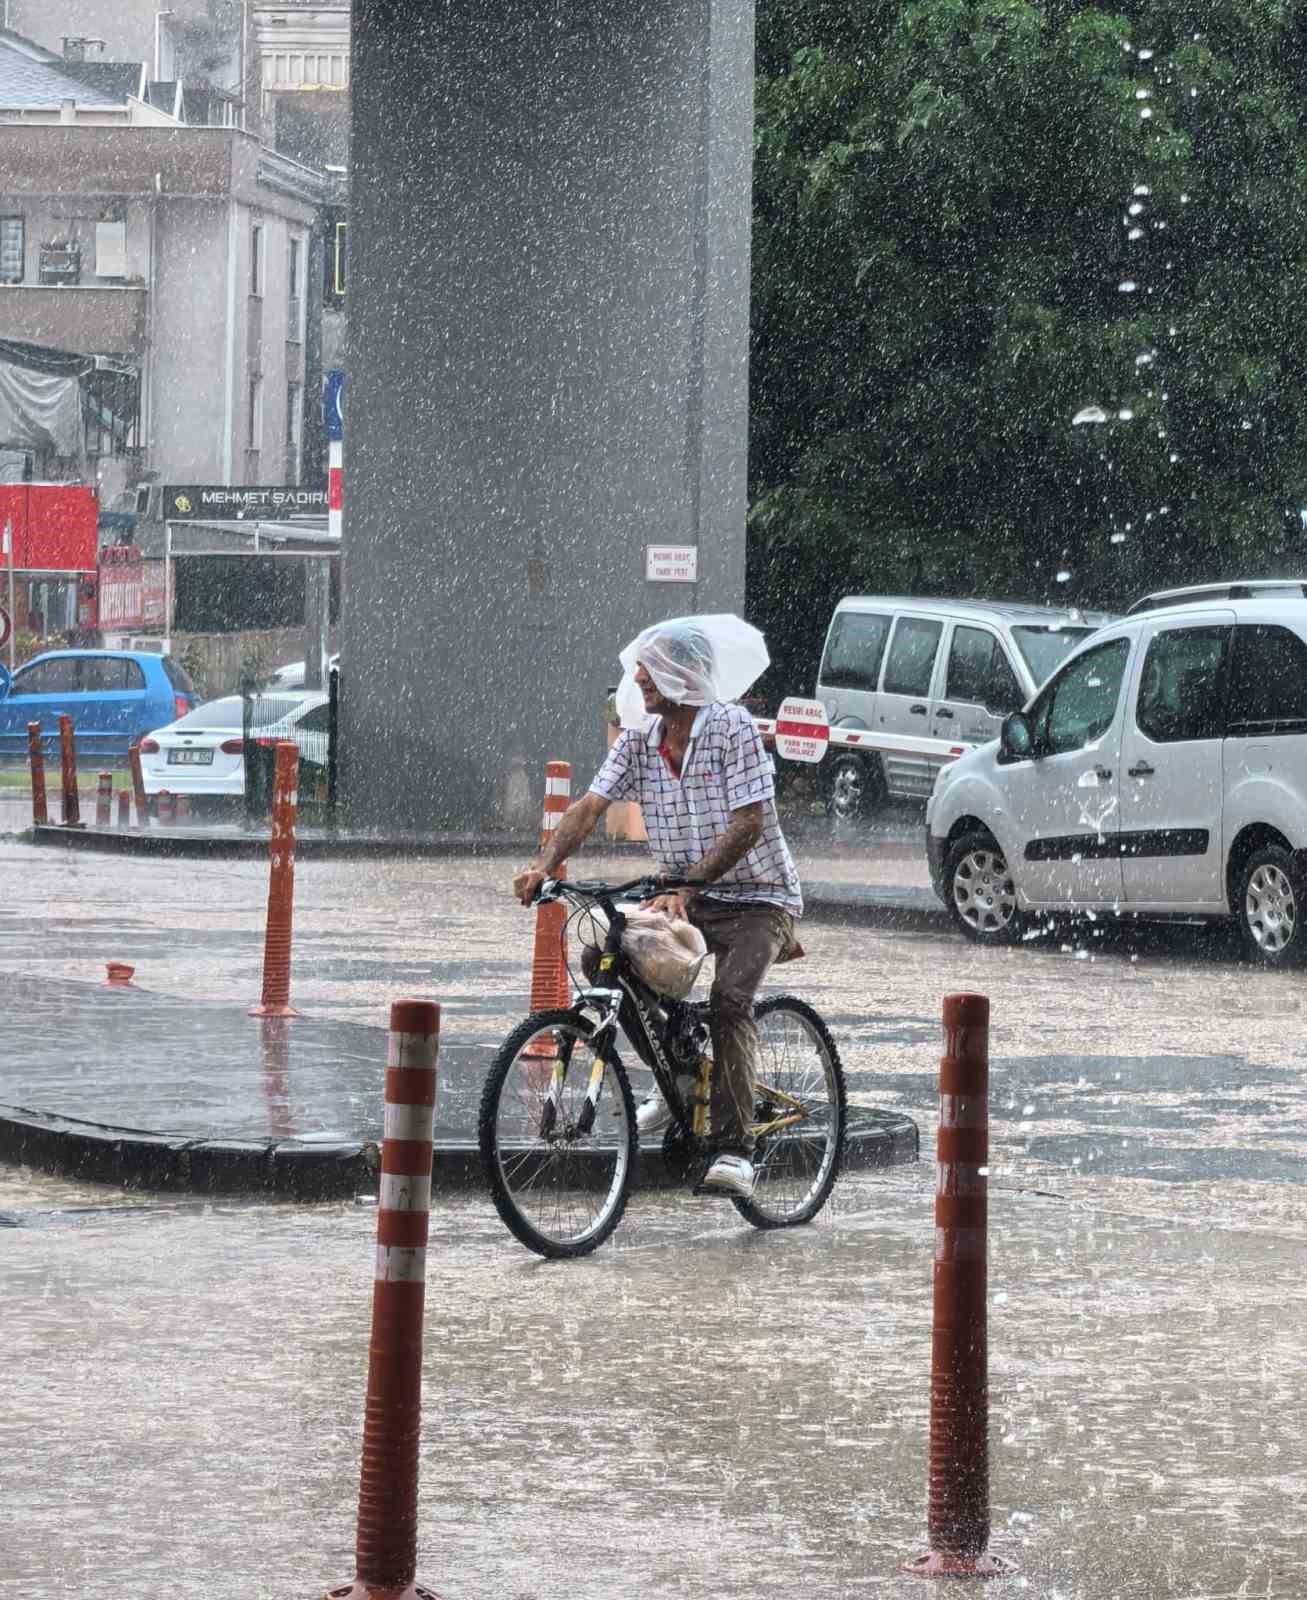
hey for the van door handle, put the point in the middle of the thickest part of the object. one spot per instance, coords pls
(1141, 769)
(944, 712)
(917, 711)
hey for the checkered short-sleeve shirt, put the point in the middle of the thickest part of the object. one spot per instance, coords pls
(726, 767)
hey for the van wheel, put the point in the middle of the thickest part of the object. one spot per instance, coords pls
(854, 787)
(1270, 904)
(979, 891)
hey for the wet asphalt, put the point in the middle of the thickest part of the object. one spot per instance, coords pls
(697, 1410)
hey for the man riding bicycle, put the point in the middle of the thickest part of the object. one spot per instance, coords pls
(705, 785)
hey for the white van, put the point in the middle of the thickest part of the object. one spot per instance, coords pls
(1162, 771)
(943, 669)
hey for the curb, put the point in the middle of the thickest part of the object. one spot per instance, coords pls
(290, 1169)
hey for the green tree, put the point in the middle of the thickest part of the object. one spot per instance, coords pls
(952, 199)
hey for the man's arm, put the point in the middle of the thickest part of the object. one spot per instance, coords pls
(574, 828)
(742, 832)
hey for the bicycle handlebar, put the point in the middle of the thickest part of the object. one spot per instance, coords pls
(648, 886)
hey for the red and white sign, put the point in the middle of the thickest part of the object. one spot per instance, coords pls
(671, 563)
(154, 595)
(335, 487)
(802, 732)
(122, 588)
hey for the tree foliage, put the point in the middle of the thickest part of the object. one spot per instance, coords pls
(951, 200)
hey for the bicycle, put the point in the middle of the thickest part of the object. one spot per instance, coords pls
(557, 1127)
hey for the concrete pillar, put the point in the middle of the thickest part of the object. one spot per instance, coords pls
(547, 371)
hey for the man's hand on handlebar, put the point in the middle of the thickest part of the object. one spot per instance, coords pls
(675, 902)
(527, 881)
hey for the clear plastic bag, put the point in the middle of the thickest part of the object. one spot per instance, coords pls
(666, 952)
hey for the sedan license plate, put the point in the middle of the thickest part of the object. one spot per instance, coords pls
(190, 758)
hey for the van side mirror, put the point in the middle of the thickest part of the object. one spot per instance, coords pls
(1016, 742)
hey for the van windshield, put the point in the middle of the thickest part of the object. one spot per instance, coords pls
(1046, 647)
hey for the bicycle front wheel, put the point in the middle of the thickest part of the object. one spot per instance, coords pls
(558, 1136)
(800, 1110)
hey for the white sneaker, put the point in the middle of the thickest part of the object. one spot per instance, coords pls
(729, 1175)
(653, 1114)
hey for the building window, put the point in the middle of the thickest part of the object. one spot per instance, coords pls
(254, 423)
(13, 243)
(294, 414)
(295, 284)
(256, 259)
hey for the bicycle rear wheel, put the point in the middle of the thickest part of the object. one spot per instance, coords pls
(558, 1136)
(801, 1098)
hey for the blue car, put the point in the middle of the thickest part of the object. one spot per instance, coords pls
(113, 697)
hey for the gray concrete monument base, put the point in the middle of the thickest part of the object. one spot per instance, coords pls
(547, 373)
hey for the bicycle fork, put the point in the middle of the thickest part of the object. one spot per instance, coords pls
(610, 1001)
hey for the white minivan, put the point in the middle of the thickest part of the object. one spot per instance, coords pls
(943, 669)
(1162, 771)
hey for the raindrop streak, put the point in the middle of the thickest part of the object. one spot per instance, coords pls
(1125, 414)
(1127, 286)
(1136, 208)
(1064, 576)
(1135, 233)
(1140, 188)
(1088, 414)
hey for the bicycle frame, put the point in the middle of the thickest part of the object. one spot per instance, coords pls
(615, 982)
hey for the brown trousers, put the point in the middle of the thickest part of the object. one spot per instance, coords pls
(744, 939)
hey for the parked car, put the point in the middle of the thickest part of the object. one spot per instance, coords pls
(291, 675)
(1161, 771)
(1237, 589)
(203, 753)
(941, 669)
(112, 696)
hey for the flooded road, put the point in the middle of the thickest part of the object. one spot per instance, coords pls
(697, 1410)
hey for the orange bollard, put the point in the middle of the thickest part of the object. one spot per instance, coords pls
(36, 758)
(118, 974)
(275, 1000)
(549, 985)
(138, 787)
(68, 773)
(103, 799)
(385, 1547)
(957, 1516)
(124, 808)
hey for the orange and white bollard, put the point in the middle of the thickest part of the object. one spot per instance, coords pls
(118, 974)
(124, 808)
(138, 787)
(275, 1000)
(385, 1547)
(549, 985)
(957, 1515)
(36, 759)
(72, 806)
(103, 799)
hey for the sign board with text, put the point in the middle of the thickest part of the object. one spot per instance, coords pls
(226, 502)
(671, 563)
(122, 588)
(802, 732)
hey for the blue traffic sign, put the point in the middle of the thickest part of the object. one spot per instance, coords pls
(333, 403)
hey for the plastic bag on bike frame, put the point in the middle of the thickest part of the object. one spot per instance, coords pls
(666, 952)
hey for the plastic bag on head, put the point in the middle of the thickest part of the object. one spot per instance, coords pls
(693, 660)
